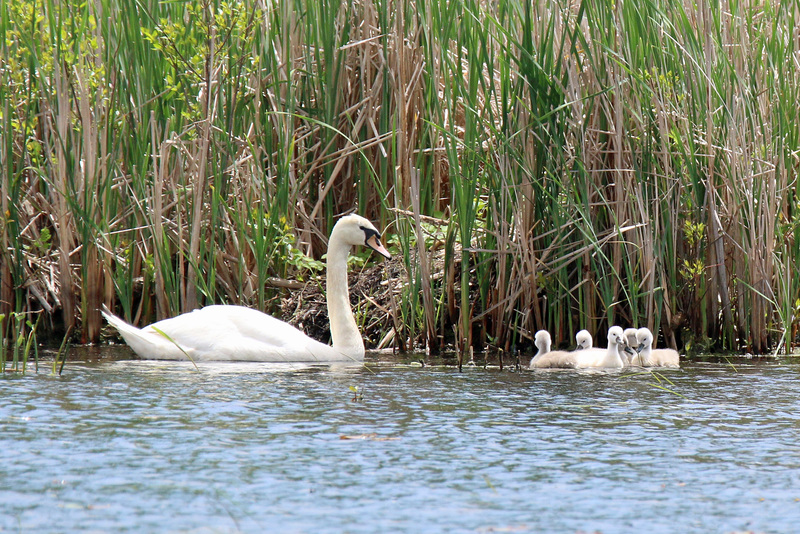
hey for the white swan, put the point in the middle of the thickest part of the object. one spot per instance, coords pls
(649, 357)
(542, 342)
(630, 336)
(236, 333)
(579, 359)
(629, 350)
(611, 357)
(583, 339)
(545, 358)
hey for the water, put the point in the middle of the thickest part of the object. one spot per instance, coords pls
(133, 446)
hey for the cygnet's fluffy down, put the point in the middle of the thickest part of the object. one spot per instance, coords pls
(610, 357)
(579, 359)
(648, 356)
(545, 358)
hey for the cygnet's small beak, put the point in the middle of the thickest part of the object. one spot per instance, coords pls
(374, 243)
(640, 348)
(629, 350)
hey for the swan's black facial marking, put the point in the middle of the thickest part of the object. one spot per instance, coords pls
(372, 239)
(368, 232)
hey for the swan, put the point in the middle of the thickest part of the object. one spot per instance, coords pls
(628, 351)
(237, 333)
(604, 358)
(542, 342)
(583, 339)
(630, 336)
(582, 358)
(648, 356)
(545, 358)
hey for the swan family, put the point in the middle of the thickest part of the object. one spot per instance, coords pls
(626, 348)
(237, 333)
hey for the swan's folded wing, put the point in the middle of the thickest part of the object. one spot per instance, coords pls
(589, 357)
(665, 358)
(242, 334)
(557, 359)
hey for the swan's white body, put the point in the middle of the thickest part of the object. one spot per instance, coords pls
(236, 333)
(545, 358)
(611, 357)
(649, 357)
(579, 359)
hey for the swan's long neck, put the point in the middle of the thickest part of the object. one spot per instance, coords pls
(644, 357)
(544, 348)
(612, 357)
(344, 331)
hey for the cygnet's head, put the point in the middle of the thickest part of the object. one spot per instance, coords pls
(630, 341)
(542, 340)
(616, 336)
(584, 340)
(644, 339)
(630, 336)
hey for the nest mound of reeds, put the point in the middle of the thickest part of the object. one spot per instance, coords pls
(376, 292)
(370, 296)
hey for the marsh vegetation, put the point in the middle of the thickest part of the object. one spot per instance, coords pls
(551, 164)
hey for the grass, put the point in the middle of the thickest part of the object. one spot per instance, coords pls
(22, 341)
(589, 163)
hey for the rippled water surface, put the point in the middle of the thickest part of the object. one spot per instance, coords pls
(133, 446)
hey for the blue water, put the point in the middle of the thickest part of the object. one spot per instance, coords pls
(133, 446)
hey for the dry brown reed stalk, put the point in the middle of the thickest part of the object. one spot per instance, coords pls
(6, 278)
(501, 304)
(429, 312)
(63, 221)
(159, 149)
(714, 224)
(88, 178)
(209, 100)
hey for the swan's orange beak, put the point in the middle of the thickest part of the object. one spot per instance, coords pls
(374, 243)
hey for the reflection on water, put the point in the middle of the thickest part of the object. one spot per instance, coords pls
(126, 446)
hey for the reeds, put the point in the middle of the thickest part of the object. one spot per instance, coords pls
(577, 164)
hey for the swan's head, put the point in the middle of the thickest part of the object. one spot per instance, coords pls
(542, 340)
(616, 336)
(356, 230)
(630, 340)
(630, 336)
(644, 339)
(583, 339)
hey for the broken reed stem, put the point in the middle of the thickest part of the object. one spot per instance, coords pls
(209, 105)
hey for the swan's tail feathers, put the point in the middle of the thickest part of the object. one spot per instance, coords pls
(145, 344)
(122, 327)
